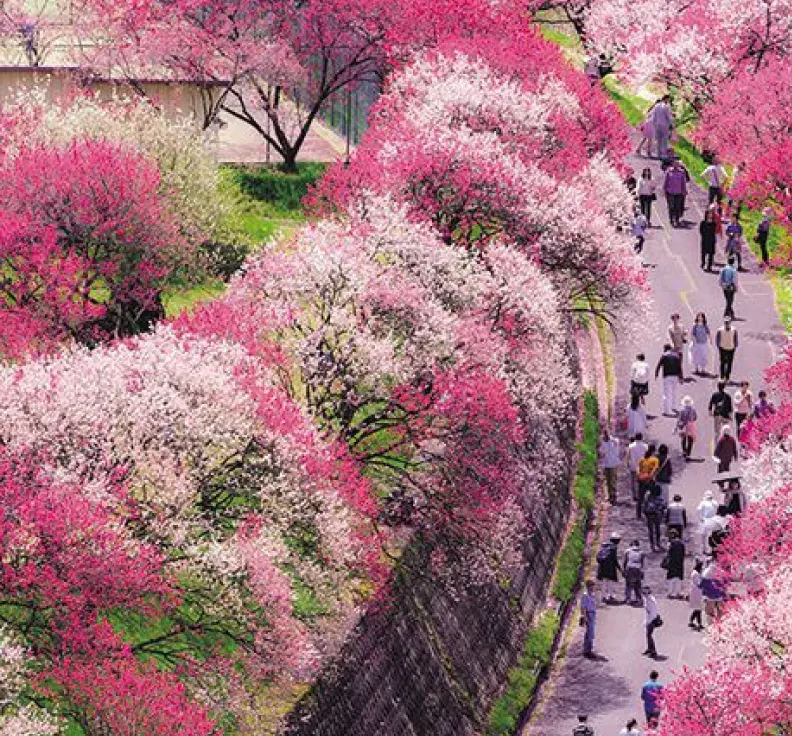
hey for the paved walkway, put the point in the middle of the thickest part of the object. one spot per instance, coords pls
(608, 689)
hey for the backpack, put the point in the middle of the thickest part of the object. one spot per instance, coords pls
(727, 277)
(604, 554)
(654, 505)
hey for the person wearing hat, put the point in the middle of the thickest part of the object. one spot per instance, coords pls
(687, 426)
(727, 341)
(726, 450)
(608, 567)
(706, 510)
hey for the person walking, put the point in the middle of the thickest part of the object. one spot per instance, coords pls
(675, 188)
(734, 238)
(763, 235)
(633, 566)
(734, 498)
(652, 620)
(677, 334)
(639, 376)
(720, 408)
(696, 597)
(647, 133)
(670, 364)
(675, 564)
(727, 280)
(654, 511)
(631, 729)
(743, 405)
(687, 426)
(707, 509)
(726, 451)
(676, 517)
(588, 619)
(647, 194)
(707, 240)
(636, 417)
(727, 342)
(715, 176)
(635, 453)
(647, 469)
(701, 339)
(763, 408)
(608, 567)
(638, 229)
(663, 124)
(664, 472)
(583, 728)
(610, 459)
(650, 695)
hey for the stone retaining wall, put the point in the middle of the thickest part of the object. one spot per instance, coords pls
(431, 661)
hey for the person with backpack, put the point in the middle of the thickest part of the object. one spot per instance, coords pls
(639, 377)
(720, 408)
(650, 695)
(670, 364)
(664, 472)
(633, 566)
(647, 469)
(727, 280)
(676, 517)
(608, 567)
(727, 341)
(583, 729)
(654, 510)
(588, 619)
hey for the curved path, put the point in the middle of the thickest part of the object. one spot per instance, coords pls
(607, 689)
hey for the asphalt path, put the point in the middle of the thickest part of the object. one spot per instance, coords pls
(607, 688)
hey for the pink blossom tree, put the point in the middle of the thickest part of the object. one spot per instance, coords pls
(87, 242)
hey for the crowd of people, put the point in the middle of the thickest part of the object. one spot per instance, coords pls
(688, 539)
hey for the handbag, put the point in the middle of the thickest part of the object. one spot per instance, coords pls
(652, 197)
(665, 562)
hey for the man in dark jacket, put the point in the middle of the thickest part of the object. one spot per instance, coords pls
(608, 567)
(670, 364)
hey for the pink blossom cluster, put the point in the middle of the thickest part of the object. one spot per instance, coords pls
(195, 515)
(745, 685)
(731, 62)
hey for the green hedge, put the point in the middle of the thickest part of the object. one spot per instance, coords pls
(284, 191)
(523, 678)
